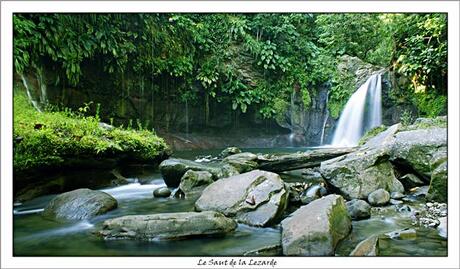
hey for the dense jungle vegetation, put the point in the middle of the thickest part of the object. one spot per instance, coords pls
(245, 59)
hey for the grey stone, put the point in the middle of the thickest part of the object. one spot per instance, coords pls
(315, 229)
(367, 247)
(78, 205)
(312, 193)
(167, 226)
(438, 186)
(230, 151)
(379, 197)
(194, 182)
(396, 195)
(243, 162)
(173, 169)
(256, 198)
(162, 192)
(415, 148)
(358, 209)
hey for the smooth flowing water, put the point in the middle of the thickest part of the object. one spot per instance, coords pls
(36, 236)
(362, 112)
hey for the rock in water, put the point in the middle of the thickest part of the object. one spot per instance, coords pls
(315, 229)
(256, 198)
(172, 170)
(162, 192)
(230, 151)
(379, 197)
(195, 181)
(358, 174)
(312, 193)
(367, 247)
(167, 226)
(438, 186)
(78, 205)
(358, 209)
(243, 162)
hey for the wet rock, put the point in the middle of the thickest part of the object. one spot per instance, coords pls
(367, 247)
(395, 202)
(438, 186)
(78, 205)
(358, 209)
(396, 195)
(194, 182)
(162, 192)
(415, 149)
(243, 162)
(167, 226)
(379, 197)
(410, 181)
(256, 198)
(313, 175)
(315, 229)
(419, 191)
(173, 169)
(230, 151)
(404, 209)
(272, 250)
(403, 234)
(312, 193)
(358, 174)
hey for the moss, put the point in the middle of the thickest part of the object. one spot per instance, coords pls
(51, 139)
(372, 133)
(427, 123)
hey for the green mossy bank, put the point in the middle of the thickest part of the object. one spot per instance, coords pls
(61, 139)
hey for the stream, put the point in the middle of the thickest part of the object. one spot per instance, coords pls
(36, 236)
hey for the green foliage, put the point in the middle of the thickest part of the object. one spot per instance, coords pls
(372, 133)
(406, 118)
(50, 138)
(241, 59)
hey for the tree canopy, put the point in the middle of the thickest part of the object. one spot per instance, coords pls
(245, 59)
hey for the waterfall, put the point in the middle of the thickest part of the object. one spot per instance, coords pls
(42, 86)
(29, 95)
(355, 118)
(324, 127)
(326, 117)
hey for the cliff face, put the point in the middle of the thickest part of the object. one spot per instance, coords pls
(141, 101)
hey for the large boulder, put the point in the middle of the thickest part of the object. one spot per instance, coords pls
(173, 169)
(438, 186)
(357, 174)
(194, 182)
(78, 205)
(315, 229)
(256, 198)
(416, 148)
(167, 226)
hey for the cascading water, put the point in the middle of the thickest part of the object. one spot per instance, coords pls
(29, 95)
(355, 118)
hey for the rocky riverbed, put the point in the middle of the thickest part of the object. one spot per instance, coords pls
(375, 199)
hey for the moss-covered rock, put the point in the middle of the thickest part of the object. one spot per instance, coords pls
(438, 185)
(53, 139)
(194, 182)
(315, 229)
